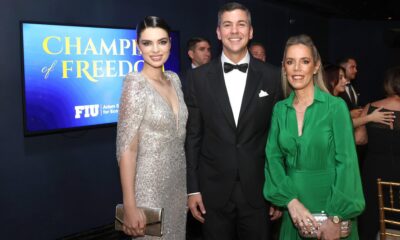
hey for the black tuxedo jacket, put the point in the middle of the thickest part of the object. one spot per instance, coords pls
(218, 152)
(183, 75)
(347, 99)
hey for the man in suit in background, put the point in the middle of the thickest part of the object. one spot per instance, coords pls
(199, 53)
(230, 103)
(350, 96)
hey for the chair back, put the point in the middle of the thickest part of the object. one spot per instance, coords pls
(389, 209)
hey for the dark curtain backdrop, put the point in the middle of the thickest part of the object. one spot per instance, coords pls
(55, 185)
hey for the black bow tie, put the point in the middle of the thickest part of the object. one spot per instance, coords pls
(241, 67)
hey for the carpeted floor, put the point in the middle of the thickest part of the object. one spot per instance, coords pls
(105, 232)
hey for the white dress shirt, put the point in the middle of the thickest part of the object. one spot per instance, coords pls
(235, 82)
(349, 88)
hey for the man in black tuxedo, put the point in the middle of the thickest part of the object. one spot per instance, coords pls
(230, 102)
(350, 96)
(199, 53)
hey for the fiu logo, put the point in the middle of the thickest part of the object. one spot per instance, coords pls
(87, 111)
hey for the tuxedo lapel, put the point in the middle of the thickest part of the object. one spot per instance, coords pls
(219, 92)
(252, 82)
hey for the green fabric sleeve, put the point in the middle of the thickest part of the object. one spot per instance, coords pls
(347, 199)
(278, 187)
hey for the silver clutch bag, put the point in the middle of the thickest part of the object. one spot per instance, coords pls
(345, 227)
(154, 217)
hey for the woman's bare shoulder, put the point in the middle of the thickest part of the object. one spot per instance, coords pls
(389, 103)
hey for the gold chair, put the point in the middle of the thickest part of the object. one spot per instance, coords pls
(390, 205)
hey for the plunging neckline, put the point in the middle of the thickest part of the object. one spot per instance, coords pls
(297, 123)
(176, 115)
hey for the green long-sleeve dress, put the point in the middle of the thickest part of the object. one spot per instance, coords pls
(319, 168)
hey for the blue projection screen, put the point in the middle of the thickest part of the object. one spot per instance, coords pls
(73, 74)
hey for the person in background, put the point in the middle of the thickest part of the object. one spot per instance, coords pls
(336, 83)
(350, 96)
(199, 51)
(335, 79)
(383, 154)
(257, 50)
(150, 137)
(230, 102)
(311, 161)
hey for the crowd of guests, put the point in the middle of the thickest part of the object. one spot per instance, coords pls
(242, 143)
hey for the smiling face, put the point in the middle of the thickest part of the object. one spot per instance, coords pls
(299, 66)
(155, 46)
(341, 85)
(235, 31)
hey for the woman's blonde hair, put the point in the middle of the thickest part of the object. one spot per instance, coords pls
(318, 78)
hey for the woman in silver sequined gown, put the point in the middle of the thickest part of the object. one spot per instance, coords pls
(150, 138)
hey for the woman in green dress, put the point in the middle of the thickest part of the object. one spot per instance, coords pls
(311, 164)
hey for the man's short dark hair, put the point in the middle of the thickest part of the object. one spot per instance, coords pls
(344, 60)
(229, 7)
(191, 43)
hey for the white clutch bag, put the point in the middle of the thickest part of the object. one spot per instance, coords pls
(345, 227)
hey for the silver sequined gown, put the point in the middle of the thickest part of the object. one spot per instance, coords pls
(161, 165)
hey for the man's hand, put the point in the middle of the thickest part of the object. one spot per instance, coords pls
(275, 213)
(196, 206)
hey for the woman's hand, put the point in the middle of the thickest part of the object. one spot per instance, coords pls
(301, 217)
(381, 117)
(329, 231)
(134, 221)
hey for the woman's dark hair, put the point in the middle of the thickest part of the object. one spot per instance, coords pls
(392, 81)
(331, 76)
(151, 22)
